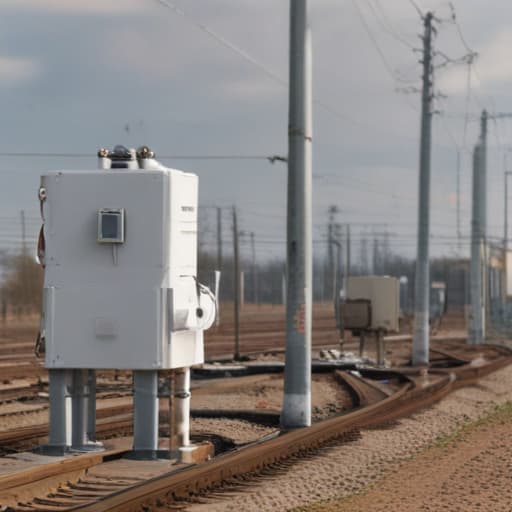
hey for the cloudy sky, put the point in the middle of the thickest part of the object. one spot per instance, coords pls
(82, 74)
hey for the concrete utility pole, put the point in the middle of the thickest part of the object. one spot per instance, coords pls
(23, 233)
(236, 286)
(330, 255)
(348, 262)
(459, 233)
(484, 119)
(219, 238)
(376, 266)
(483, 183)
(478, 268)
(253, 271)
(420, 343)
(364, 254)
(385, 252)
(505, 242)
(337, 298)
(476, 326)
(332, 226)
(24, 277)
(505, 228)
(297, 375)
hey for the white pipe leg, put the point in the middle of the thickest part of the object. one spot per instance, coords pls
(79, 408)
(182, 407)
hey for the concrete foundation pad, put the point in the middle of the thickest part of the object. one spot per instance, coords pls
(196, 453)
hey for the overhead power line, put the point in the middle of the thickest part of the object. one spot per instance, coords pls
(386, 24)
(223, 41)
(459, 29)
(416, 8)
(392, 73)
(271, 74)
(374, 42)
(28, 154)
(242, 53)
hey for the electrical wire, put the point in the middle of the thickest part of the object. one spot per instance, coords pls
(394, 77)
(416, 7)
(374, 42)
(386, 25)
(248, 58)
(459, 29)
(244, 55)
(28, 154)
(471, 62)
(223, 41)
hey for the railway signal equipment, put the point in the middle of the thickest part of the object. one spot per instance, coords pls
(121, 292)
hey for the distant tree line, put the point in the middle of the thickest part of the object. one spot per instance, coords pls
(267, 286)
(21, 291)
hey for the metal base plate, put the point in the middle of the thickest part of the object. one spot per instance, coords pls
(147, 455)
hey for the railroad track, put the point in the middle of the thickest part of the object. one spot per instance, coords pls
(412, 390)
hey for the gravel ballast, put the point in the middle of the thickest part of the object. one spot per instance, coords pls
(349, 468)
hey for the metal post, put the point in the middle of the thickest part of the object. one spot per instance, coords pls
(505, 230)
(23, 233)
(336, 279)
(336, 271)
(297, 375)
(376, 266)
(483, 221)
(379, 338)
(362, 336)
(459, 233)
(219, 238)
(483, 173)
(364, 255)
(182, 407)
(79, 410)
(504, 281)
(173, 443)
(236, 286)
(145, 413)
(337, 300)
(330, 254)
(476, 317)
(242, 290)
(283, 286)
(91, 412)
(420, 344)
(347, 263)
(24, 276)
(59, 384)
(253, 271)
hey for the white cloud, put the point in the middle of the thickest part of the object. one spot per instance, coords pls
(493, 64)
(144, 54)
(16, 70)
(76, 6)
(249, 88)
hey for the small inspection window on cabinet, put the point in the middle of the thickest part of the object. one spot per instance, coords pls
(111, 226)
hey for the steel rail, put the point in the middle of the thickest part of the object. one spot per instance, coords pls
(418, 393)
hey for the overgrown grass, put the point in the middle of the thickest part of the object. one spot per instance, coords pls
(498, 414)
